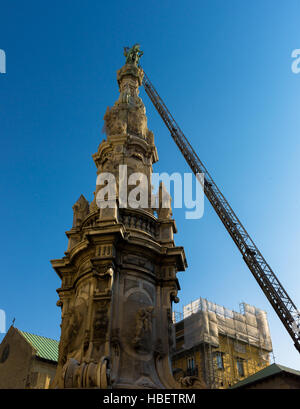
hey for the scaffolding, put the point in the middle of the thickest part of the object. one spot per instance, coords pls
(233, 344)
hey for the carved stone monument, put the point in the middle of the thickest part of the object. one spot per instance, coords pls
(119, 271)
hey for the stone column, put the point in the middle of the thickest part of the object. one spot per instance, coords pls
(119, 272)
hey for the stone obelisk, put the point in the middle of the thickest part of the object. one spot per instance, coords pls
(119, 271)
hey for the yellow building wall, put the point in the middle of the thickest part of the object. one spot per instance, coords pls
(253, 360)
(42, 374)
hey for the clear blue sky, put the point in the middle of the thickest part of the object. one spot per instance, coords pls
(224, 70)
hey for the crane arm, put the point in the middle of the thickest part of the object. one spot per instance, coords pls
(262, 272)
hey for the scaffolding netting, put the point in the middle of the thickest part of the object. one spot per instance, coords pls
(204, 321)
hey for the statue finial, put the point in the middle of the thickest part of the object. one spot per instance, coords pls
(133, 54)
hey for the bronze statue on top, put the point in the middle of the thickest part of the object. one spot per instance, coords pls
(133, 54)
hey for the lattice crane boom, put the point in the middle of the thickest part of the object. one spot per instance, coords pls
(262, 272)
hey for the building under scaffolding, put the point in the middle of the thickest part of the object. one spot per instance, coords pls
(219, 345)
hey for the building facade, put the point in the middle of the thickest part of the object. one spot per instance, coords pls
(27, 361)
(219, 345)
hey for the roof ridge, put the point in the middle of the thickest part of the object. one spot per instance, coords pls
(269, 370)
(22, 334)
(36, 335)
(287, 369)
(44, 347)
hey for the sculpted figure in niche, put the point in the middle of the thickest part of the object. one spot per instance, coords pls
(143, 326)
(72, 330)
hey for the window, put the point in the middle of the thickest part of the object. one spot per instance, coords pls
(192, 369)
(190, 363)
(240, 366)
(219, 359)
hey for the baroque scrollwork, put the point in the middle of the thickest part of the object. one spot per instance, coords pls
(86, 374)
(191, 382)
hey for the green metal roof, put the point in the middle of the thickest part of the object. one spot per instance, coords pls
(46, 348)
(265, 373)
